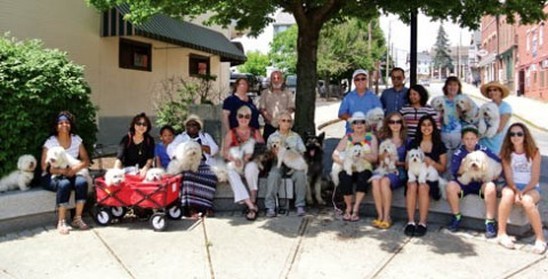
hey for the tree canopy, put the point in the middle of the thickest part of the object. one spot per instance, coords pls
(256, 63)
(311, 15)
(283, 50)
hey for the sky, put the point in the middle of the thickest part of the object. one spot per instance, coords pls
(399, 36)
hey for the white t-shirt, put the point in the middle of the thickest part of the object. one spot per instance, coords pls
(521, 168)
(205, 139)
(74, 148)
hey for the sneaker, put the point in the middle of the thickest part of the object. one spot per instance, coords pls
(506, 242)
(300, 211)
(63, 228)
(490, 230)
(420, 230)
(409, 229)
(79, 223)
(454, 225)
(540, 247)
(270, 213)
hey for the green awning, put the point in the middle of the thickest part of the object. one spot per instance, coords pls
(166, 29)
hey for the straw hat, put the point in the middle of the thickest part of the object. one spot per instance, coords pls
(496, 84)
(195, 118)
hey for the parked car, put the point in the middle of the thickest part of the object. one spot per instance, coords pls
(291, 83)
(254, 83)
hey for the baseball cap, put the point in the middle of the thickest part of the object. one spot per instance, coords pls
(359, 72)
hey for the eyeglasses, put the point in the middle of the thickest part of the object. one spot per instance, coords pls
(246, 116)
(399, 121)
(144, 124)
(286, 120)
(360, 79)
(516, 134)
(355, 122)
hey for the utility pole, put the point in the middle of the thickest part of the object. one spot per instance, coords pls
(413, 49)
(388, 53)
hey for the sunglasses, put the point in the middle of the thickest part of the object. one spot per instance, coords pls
(286, 120)
(246, 116)
(516, 134)
(355, 122)
(360, 79)
(395, 121)
(144, 124)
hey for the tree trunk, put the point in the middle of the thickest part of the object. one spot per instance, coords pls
(305, 99)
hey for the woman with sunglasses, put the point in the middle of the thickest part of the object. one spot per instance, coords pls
(428, 139)
(393, 129)
(136, 149)
(415, 108)
(521, 164)
(198, 188)
(235, 138)
(64, 134)
(359, 136)
(234, 102)
(292, 140)
(496, 92)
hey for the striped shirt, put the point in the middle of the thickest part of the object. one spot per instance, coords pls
(411, 116)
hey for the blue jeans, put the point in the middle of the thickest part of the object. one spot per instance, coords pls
(63, 185)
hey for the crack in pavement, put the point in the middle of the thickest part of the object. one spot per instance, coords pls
(303, 227)
(389, 260)
(525, 267)
(207, 244)
(113, 254)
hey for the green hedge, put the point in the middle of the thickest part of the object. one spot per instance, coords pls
(35, 85)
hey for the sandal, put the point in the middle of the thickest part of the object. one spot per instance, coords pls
(540, 247)
(385, 225)
(252, 214)
(506, 242)
(354, 218)
(63, 228)
(376, 223)
(79, 223)
(347, 217)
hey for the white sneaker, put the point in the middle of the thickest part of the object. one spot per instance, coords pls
(540, 247)
(63, 228)
(270, 213)
(300, 211)
(506, 242)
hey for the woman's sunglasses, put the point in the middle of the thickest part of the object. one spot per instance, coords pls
(395, 121)
(516, 134)
(246, 116)
(144, 124)
(358, 122)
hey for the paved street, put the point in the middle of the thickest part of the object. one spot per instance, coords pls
(227, 246)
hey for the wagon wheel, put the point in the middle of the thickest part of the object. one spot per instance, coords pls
(118, 211)
(103, 216)
(175, 212)
(158, 221)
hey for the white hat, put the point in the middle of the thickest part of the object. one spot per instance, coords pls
(358, 115)
(359, 72)
(195, 118)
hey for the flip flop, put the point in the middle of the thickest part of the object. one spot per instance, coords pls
(354, 218)
(347, 217)
(376, 223)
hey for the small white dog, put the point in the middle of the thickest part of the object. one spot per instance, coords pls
(375, 117)
(489, 120)
(477, 166)
(468, 109)
(418, 171)
(57, 157)
(239, 152)
(388, 164)
(114, 177)
(438, 103)
(187, 156)
(353, 160)
(291, 158)
(154, 174)
(21, 177)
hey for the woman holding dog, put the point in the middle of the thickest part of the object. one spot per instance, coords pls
(394, 130)
(285, 138)
(496, 92)
(429, 141)
(521, 164)
(358, 136)
(65, 180)
(234, 138)
(416, 108)
(136, 149)
(198, 188)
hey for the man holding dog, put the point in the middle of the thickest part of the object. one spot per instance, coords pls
(275, 99)
(360, 99)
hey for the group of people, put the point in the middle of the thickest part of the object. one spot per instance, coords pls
(410, 123)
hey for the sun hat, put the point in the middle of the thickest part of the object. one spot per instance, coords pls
(195, 118)
(358, 115)
(359, 72)
(496, 84)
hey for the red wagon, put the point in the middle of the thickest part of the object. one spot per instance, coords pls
(161, 196)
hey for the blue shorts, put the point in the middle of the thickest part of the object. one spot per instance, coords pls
(522, 186)
(473, 187)
(395, 181)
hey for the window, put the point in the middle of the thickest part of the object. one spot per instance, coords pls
(135, 55)
(198, 65)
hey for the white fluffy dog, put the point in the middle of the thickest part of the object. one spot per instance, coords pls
(114, 177)
(21, 177)
(468, 109)
(438, 103)
(187, 156)
(489, 120)
(388, 164)
(291, 158)
(477, 166)
(154, 174)
(418, 171)
(57, 157)
(353, 160)
(375, 117)
(239, 152)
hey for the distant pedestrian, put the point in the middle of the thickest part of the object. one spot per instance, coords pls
(395, 97)
(275, 99)
(496, 92)
(521, 164)
(360, 99)
(415, 108)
